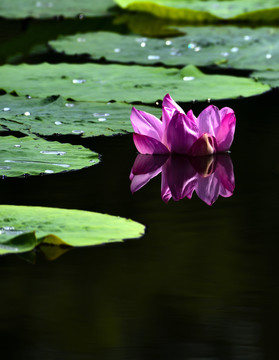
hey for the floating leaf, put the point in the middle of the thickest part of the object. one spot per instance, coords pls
(267, 77)
(94, 82)
(71, 227)
(55, 115)
(206, 11)
(38, 156)
(46, 8)
(232, 47)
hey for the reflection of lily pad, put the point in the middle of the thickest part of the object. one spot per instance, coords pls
(204, 11)
(227, 46)
(46, 9)
(94, 82)
(35, 156)
(54, 115)
(71, 227)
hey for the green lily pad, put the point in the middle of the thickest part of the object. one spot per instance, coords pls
(94, 82)
(24, 227)
(206, 11)
(267, 77)
(34, 156)
(45, 8)
(227, 46)
(55, 115)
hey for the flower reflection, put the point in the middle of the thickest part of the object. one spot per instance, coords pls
(209, 176)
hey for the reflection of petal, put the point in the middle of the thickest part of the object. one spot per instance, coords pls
(144, 169)
(181, 177)
(225, 172)
(207, 189)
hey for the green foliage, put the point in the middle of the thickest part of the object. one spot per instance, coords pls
(45, 9)
(24, 227)
(267, 77)
(34, 156)
(207, 11)
(227, 46)
(55, 115)
(94, 82)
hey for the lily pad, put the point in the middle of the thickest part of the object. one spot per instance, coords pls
(45, 8)
(34, 156)
(227, 46)
(94, 82)
(55, 115)
(267, 77)
(60, 227)
(206, 11)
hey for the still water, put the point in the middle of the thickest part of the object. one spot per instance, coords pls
(202, 283)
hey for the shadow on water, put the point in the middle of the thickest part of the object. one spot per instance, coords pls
(200, 284)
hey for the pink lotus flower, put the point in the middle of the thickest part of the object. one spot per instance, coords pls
(179, 133)
(208, 176)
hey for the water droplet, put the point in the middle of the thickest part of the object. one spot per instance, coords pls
(69, 105)
(198, 48)
(38, 4)
(117, 50)
(100, 114)
(81, 16)
(77, 132)
(49, 171)
(188, 78)
(5, 167)
(157, 103)
(168, 42)
(191, 45)
(92, 161)
(153, 57)
(27, 113)
(234, 49)
(143, 44)
(247, 37)
(102, 119)
(225, 54)
(58, 123)
(81, 40)
(51, 152)
(208, 100)
(6, 109)
(17, 146)
(28, 97)
(8, 228)
(79, 81)
(50, 4)
(268, 56)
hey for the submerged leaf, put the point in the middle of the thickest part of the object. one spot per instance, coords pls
(70, 227)
(33, 156)
(94, 82)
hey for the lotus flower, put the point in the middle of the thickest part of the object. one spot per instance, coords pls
(179, 133)
(208, 176)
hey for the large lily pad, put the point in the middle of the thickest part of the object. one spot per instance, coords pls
(227, 46)
(267, 77)
(36, 156)
(24, 227)
(55, 115)
(46, 8)
(94, 82)
(205, 11)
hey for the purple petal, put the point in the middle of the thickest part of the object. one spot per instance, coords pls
(146, 124)
(191, 116)
(149, 145)
(181, 177)
(181, 133)
(225, 133)
(148, 163)
(170, 103)
(205, 145)
(209, 120)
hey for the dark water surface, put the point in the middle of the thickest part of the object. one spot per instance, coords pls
(202, 283)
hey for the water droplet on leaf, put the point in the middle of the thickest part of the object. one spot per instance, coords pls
(77, 132)
(116, 50)
(6, 109)
(268, 56)
(234, 49)
(79, 81)
(51, 152)
(49, 171)
(153, 57)
(27, 113)
(58, 123)
(69, 105)
(188, 78)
